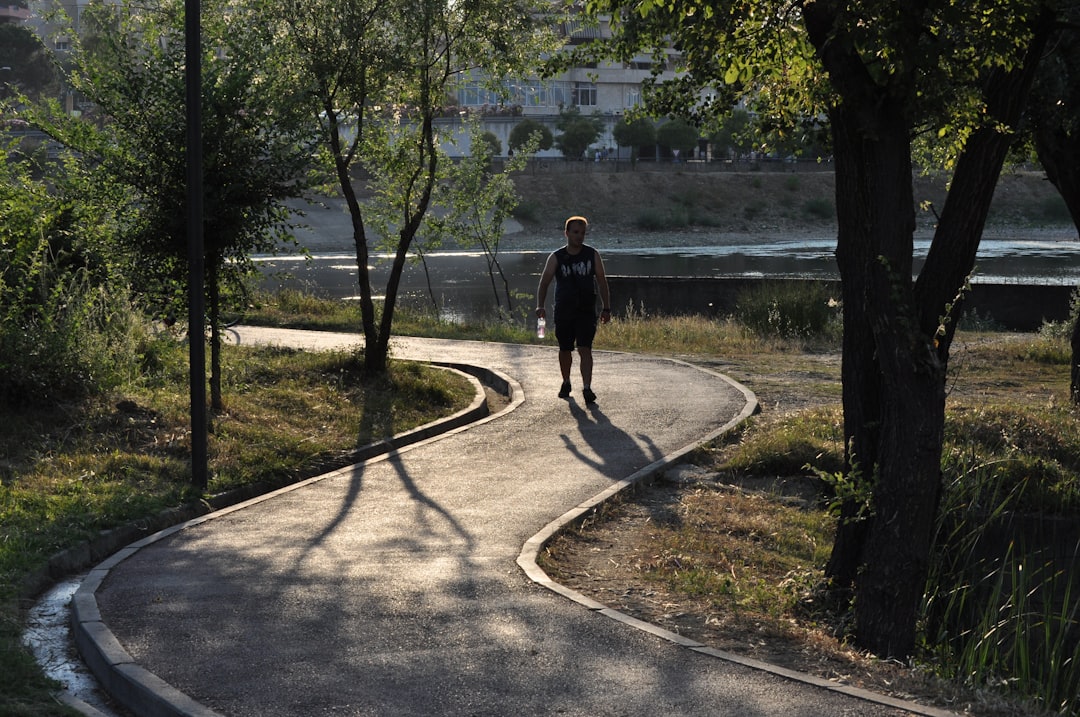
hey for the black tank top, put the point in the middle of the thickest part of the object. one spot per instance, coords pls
(575, 287)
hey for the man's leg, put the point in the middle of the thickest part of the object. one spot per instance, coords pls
(586, 366)
(566, 361)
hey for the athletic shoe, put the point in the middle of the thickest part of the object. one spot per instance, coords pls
(589, 396)
(564, 392)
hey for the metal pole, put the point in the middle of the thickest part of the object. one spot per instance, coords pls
(196, 300)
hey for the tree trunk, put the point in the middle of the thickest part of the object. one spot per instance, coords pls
(376, 357)
(893, 384)
(895, 353)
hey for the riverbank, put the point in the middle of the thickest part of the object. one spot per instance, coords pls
(664, 206)
(654, 206)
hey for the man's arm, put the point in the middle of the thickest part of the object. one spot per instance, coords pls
(605, 292)
(545, 281)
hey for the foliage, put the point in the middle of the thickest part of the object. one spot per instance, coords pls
(635, 133)
(524, 130)
(131, 64)
(578, 132)
(677, 134)
(789, 309)
(65, 324)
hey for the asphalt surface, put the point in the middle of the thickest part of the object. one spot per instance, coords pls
(405, 585)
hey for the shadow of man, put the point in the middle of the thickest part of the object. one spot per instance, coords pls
(610, 450)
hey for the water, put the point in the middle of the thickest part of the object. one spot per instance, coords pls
(48, 635)
(461, 286)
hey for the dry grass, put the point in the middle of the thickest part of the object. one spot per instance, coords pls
(732, 559)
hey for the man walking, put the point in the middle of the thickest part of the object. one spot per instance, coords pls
(578, 272)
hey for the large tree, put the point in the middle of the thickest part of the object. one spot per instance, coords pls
(376, 73)
(882, 72)
(1055, 122)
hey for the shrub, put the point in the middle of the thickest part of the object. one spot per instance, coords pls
(1054, 209)
(819, 208)
(80, 339)
(789, 309)
(655, 219)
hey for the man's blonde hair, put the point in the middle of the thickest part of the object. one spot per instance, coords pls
(573, 219)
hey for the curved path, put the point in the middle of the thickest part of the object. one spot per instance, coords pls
(396, 586)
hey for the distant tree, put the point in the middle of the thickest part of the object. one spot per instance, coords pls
(524, 130)
(734, 136)
(635, 134)
(677, 135)
(578, 132)
(28, 68)
(492, 144)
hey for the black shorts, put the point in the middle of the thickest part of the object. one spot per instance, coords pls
(576, 330)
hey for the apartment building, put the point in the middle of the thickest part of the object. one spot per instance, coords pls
(607, 90)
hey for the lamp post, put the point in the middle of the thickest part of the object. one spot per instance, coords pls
(196, 299)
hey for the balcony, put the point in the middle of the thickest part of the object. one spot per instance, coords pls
(14, 13)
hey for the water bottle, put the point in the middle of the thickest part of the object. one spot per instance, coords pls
(541, 328)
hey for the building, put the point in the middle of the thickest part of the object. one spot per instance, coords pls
(607, 90)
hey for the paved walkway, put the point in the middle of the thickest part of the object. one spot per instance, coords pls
(400, 586)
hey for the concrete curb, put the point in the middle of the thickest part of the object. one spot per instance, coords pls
(530, 551)
(147, 695)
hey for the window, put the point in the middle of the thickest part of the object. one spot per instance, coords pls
(584, 94)
(474, 94)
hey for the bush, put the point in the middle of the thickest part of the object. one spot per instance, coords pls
(80, 340)
(1054, 209)
(789, 309)
(656, 219)
(819, 209)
